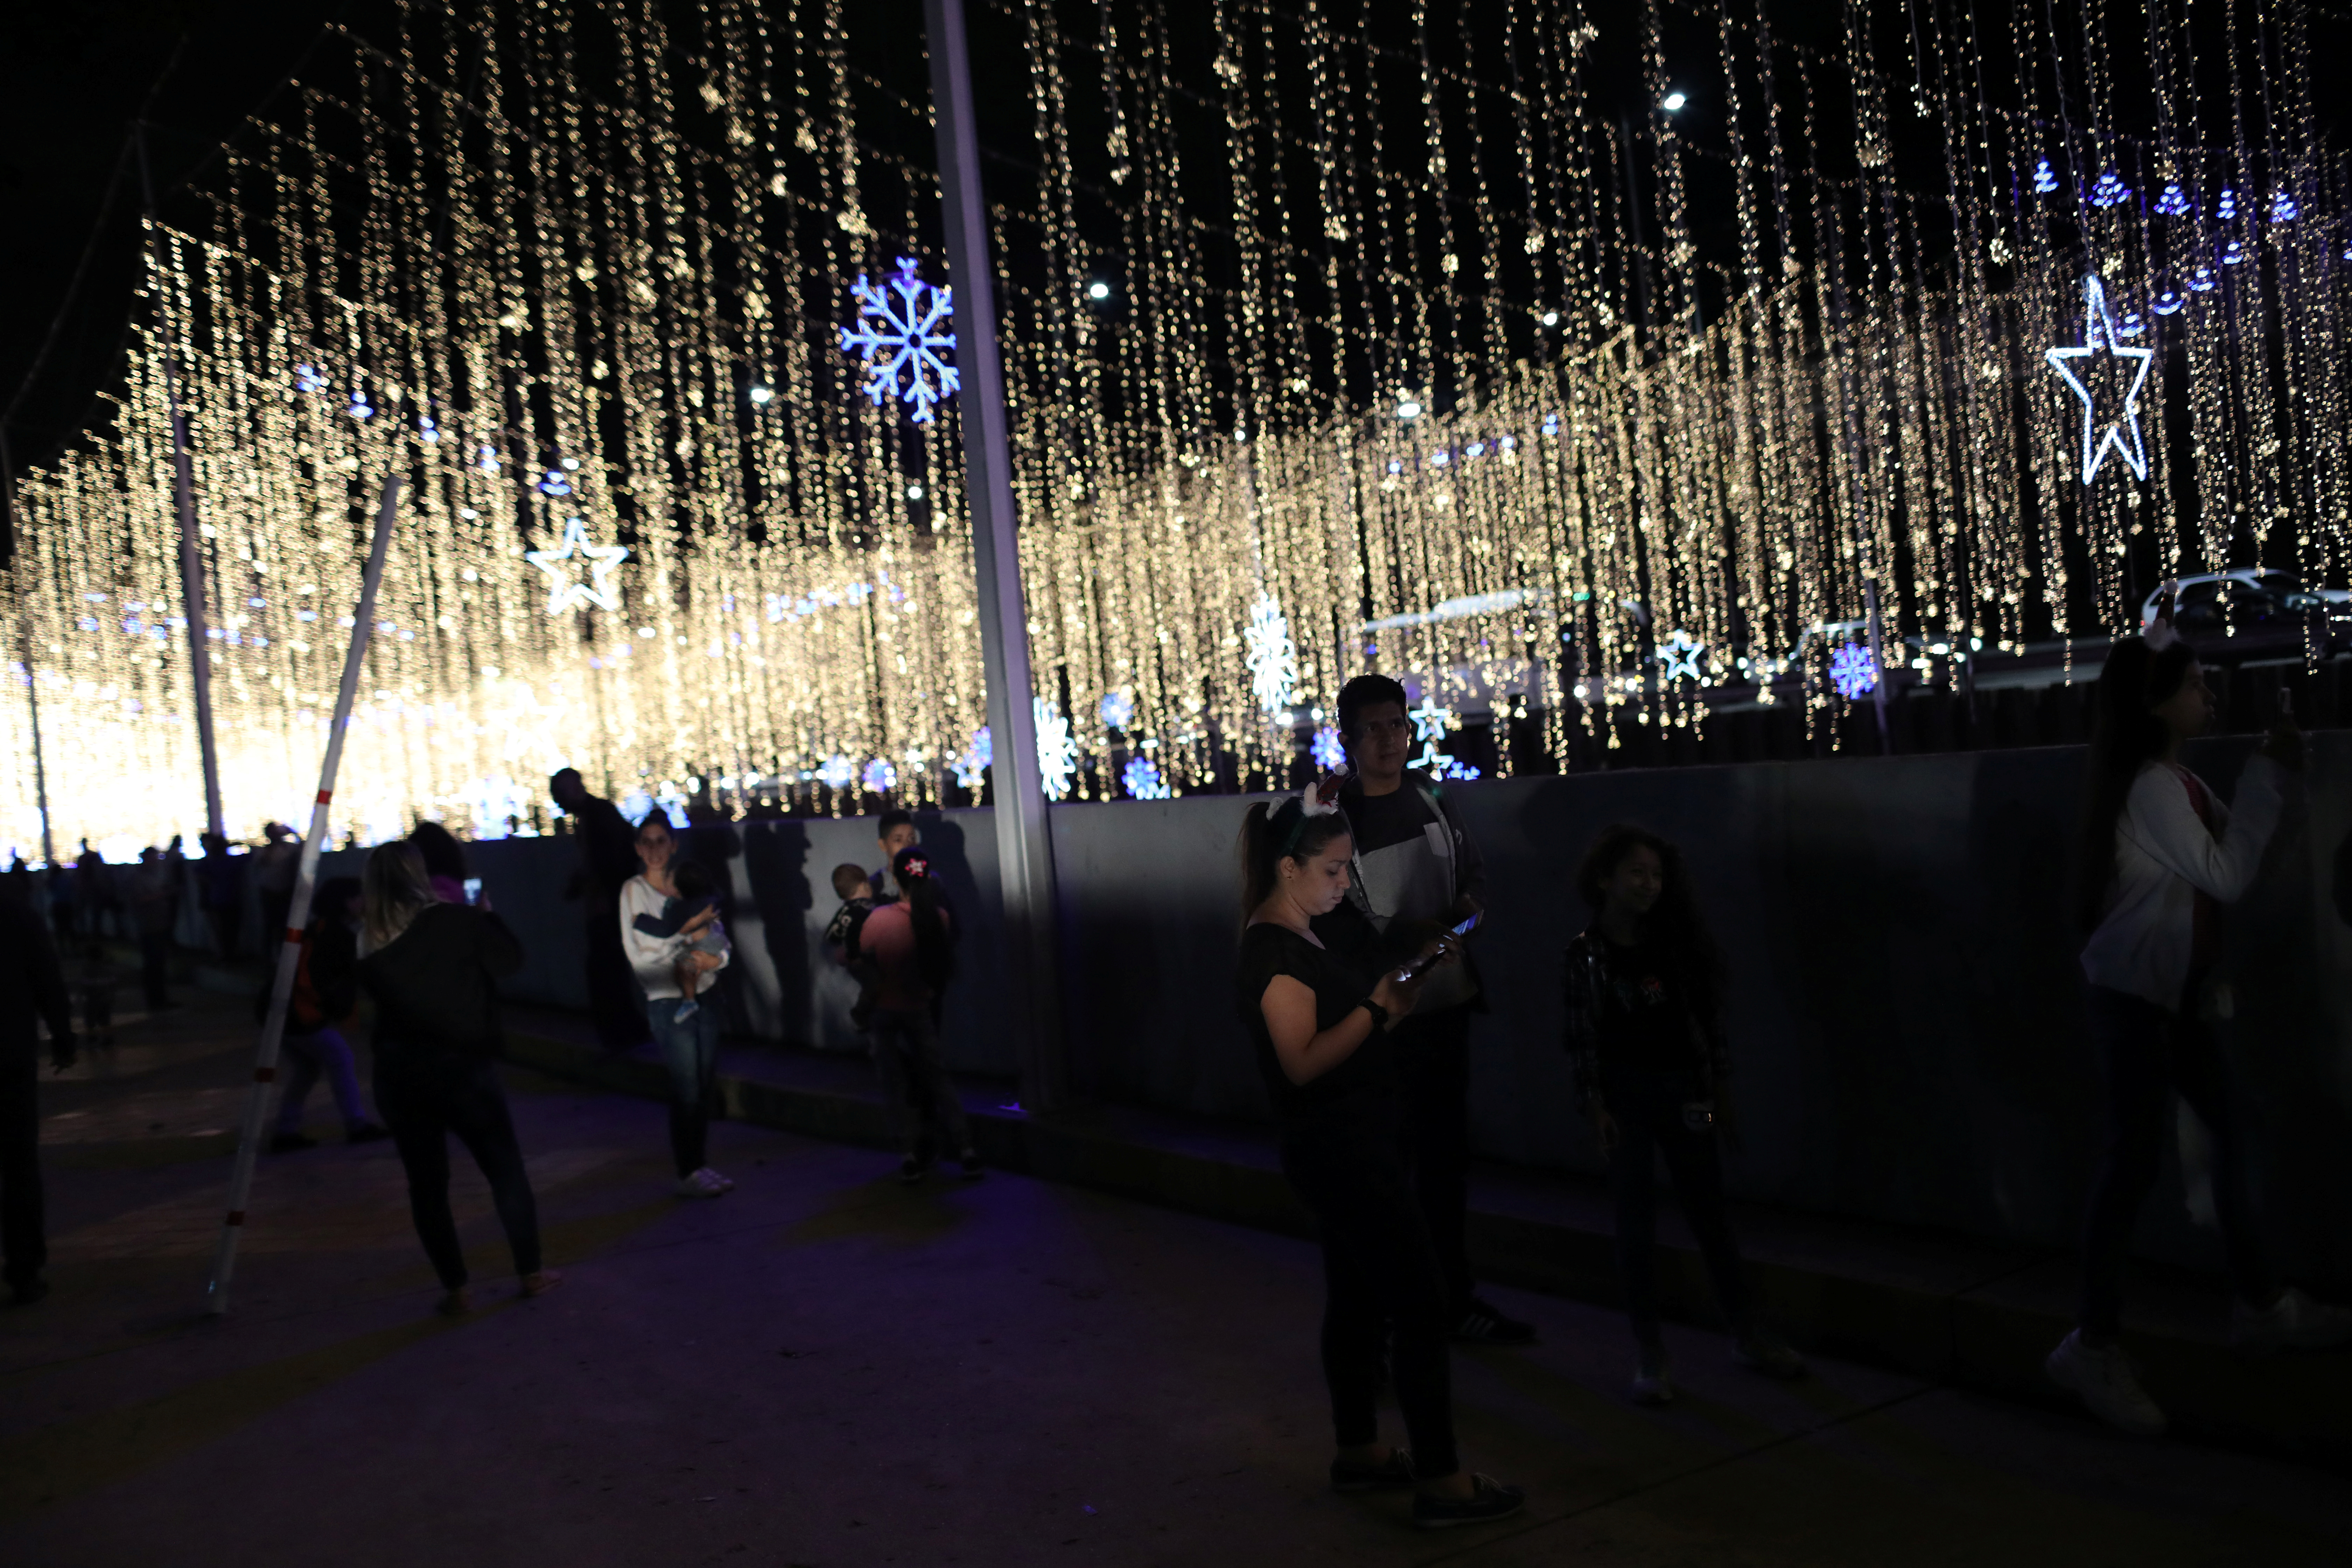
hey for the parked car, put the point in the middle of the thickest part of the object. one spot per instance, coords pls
(2254, 613)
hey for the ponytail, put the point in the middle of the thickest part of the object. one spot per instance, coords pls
(1271, 834)
(934, 950)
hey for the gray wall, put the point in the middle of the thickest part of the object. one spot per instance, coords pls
(1906, 1019)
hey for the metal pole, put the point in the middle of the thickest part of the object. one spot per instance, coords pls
(298, 914)
(1878, 663)
(1024, 847)
(192, 559)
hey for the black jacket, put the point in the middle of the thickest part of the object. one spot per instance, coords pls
(32, 985)
(434, 989)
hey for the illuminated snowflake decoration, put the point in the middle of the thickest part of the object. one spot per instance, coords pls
(1853, 672)
(880, 776)
(1273, 660)
(1330, 752)
(1143, 782)
(1117, 707)
(972, 768)
(900, 333)
(1678, 657)
(1057, 749)
(2109, 189)
(835, 772)
(2284, 208)
(1430, 723)
(568, 592)
(2174, 203)
(2044, 179)
(2122, 434)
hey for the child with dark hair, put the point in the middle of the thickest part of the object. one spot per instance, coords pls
(909, 941)
(696, 894)
(2160, 856)
(1644, 994)
(856, 892)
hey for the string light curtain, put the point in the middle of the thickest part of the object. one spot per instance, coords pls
(1338, 336)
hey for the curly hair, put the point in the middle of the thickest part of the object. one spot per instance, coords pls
(1675, 919)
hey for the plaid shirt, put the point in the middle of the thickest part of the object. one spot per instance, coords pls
(1591, 989)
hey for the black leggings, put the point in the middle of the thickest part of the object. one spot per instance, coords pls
(1381, 1276)
(1648, 1111)
(1436, 1056)
(2144, 1053)
(424, 1100)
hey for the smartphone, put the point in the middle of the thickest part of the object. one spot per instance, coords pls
(473, 889)
(1464, 928)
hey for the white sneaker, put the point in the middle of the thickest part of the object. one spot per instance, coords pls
(695, 1185)
(2292, 1323)
(2107, 1385)
(715, 1179)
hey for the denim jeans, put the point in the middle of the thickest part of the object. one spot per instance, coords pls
(1648, 1111)
(2144, 1053)
(324, 1051)
(689, 1048)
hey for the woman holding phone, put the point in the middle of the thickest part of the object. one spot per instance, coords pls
(689, 1044)
(1321, 1028)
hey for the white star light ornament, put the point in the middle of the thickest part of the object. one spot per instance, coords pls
(1679, 654)
(2122, 433)
(568, 592)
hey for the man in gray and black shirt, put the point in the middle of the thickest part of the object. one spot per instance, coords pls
(1416, 872)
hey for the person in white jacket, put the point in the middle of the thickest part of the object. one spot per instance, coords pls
(2160, 855)
(690, 1045)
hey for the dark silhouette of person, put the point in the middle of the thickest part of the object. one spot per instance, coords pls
(608, 858)
(32, 991)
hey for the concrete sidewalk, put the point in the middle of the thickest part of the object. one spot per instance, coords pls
(830, 1370)
(1936, 1306)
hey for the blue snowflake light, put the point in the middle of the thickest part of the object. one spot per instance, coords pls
(2108, 190)
(1853, 672)
(2283, 208)
(2174, 203)
(2233, 254)
(900, 339)
(972, 769)
(1329, 753)
(835, 772)
(2229, 207)
(1118, 709)
(1141, 777)
(2044, 179)
(307, 379)
(880, 776)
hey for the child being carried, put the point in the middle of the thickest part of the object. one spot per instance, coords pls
(841, 933)
(694, 913)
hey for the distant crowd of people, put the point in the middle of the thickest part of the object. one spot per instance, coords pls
(1363, 899)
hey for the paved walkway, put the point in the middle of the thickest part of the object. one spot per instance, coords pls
(828, 1369)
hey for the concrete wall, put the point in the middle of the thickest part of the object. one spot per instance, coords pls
(1906, 1016)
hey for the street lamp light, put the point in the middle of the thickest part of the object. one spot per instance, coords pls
(1098, 290)
(760, 394)
(1408, 407)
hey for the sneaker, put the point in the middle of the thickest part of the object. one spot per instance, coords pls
(713, 1180)
(910, 1170)
(1490, 1500)
(687, 1009)
(693, 1185)
(2292, 1323)
(366, 1132)
(968, 1165)
(291, 1143)
(1356, 1476)
(2103, 1377)
(1484, 1323)
(1653, 1380)
(1764, 1350)
(541, 1283)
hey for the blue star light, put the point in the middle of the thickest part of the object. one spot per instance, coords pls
(900, 339)
(1853, 672)
(1679, 657)
(2099, 338)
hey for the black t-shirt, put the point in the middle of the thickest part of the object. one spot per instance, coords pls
(1647, 1021)
(1340, 986)
(1381, 821)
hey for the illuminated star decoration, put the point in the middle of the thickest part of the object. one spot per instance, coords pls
(2122, 434)
(1679, 655)
(1430, 723)
(901, 339)
(1853, 672)
(569, 592)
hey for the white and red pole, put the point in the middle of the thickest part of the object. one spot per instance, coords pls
(298, 913)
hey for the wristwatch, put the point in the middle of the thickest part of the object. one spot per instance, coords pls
(1381, 1016)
